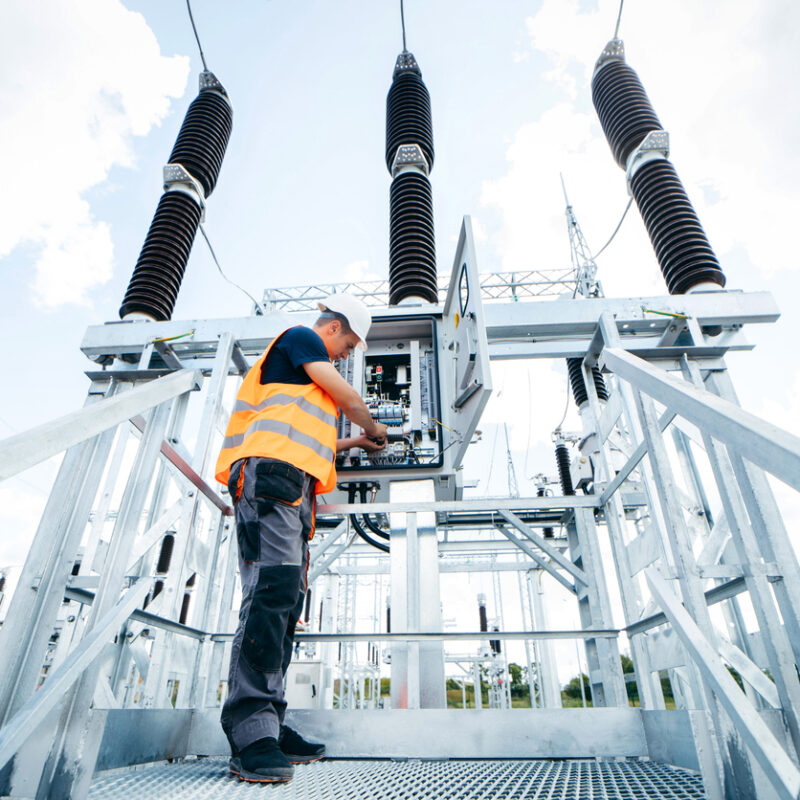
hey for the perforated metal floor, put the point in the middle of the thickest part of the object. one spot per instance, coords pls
(387, 780)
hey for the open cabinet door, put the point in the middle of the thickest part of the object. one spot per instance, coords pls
(466, 379)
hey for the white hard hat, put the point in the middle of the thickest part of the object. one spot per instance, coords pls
(356, 312)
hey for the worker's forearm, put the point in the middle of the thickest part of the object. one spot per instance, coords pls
(358, 413)
(346, 444)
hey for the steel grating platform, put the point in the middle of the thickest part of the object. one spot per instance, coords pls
(403, 780)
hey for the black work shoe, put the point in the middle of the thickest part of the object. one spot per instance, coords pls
(262, 762)
(297, 749)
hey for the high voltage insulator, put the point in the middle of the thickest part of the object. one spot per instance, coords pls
(641, 146)
(412, 251)
(189, 178)
(409, 157)
(565, 476)
(579, 385)
(203, 138)
(681, 245)
(158, 273)
(408, 111)
(548, 532)
(621, 102)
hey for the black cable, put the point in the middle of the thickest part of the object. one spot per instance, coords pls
(619, 225)
(257, 305)
(619, 17)
(366, 517)
(373, 527)
(194, 28)
(366, 537)
(403, 23)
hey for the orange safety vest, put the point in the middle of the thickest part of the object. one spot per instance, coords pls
(292, 423)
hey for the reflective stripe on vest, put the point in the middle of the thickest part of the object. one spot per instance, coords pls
(290, 422)
(283, 399)
(285, 429)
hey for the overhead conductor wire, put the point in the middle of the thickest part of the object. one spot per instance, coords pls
(194, 28)
(630, 199)
(233, 283)
(619, 17)
(402, 23)
(619, 225)
(256, 304)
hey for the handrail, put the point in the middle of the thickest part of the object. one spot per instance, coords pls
(759, 441)
(174, 458)
(779, 768)
(87, 597)
(31, 447)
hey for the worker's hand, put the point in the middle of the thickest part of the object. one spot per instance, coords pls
(369, 444)
(379, 431)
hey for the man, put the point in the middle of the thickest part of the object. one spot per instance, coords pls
(278, 454)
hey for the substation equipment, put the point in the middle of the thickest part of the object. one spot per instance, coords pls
(115, 643)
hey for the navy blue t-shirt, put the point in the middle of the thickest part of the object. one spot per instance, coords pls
(296, 347)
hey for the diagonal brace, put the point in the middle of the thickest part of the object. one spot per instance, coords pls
(529, 551)
(27, 719)
(542, 544)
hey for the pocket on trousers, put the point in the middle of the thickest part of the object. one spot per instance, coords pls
(233, 480)
(277, 481)
(273, 600)
(249, 536)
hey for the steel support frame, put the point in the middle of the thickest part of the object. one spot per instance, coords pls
(731, 438)
(763, 513)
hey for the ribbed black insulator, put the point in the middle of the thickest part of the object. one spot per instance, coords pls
(482, 621)
(494, 644)
(203, 138)
(412, 251)
(681, 245)
(548, 532)
(408, 116)
(565, 476)
(623, 107)
(165, 556)
(579, 385)
(157, 276)
(187, 598)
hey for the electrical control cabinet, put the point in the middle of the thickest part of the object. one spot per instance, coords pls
(426, 376)
(398, 379)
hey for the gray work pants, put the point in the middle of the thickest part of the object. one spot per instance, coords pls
(273, 551)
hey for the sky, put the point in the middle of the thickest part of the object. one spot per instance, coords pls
(92, 93)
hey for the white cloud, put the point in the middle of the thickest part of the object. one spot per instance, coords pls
(81, 77)
(360, 271)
